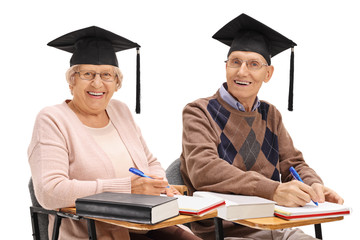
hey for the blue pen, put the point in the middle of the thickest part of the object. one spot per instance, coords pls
(140, 173)
(297, 177)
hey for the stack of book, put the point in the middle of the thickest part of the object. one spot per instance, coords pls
(146, 209)
(149, 209)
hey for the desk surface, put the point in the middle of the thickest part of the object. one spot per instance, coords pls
(272, 223)
(268, 223)
(181, 219)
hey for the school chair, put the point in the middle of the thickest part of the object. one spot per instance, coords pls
(174, 178)
(39, 218)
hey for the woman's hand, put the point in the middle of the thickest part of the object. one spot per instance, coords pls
(143, 185)
(171, 191)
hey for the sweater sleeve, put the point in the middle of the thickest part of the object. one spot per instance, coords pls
(154, 165)
(50, 167)
(290, 156)
(204, 170)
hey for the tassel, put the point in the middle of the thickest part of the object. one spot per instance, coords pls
(291, 86)
(137, 109)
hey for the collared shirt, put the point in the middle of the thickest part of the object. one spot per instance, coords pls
(226, 96)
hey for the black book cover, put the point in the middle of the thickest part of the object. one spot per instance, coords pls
(138, 208)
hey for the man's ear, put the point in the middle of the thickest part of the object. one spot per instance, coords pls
(269, 73)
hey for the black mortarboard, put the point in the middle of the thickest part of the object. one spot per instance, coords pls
(97, 46)
(247, 34)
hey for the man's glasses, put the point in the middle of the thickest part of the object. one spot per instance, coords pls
(250, 64)
(90, 75)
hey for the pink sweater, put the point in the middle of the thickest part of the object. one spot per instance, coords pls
(66, 163)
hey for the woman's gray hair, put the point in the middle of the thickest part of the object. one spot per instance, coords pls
(70, 75)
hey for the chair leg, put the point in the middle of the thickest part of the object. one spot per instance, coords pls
(318, 233)
(56, 228)
(219, 231)
(91, 229)
(35, 225)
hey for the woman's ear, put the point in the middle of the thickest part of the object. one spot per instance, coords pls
(71, 89)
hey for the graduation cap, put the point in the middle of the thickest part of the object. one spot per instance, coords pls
(247, 34)
(97, 46)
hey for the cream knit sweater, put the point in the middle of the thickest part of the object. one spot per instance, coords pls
(66, 163)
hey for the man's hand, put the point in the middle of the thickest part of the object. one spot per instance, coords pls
(143, 185)
(326, 194)
(294, 194)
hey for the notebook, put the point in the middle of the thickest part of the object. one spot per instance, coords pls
(197, 206)
(310, 210)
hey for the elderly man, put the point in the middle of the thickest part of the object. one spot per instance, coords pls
(235, 143)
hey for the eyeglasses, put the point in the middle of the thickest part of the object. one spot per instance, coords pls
(90, 75)
(250, 64)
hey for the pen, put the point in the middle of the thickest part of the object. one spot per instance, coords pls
(140, 173)
(297, 177)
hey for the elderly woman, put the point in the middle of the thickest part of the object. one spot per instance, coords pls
(86, 145)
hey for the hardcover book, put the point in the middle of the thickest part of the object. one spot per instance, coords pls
(240, 206)
(138, 208)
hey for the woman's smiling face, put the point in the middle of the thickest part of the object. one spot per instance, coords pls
(93, 96)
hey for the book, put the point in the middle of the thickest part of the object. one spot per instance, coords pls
(326, 209)
(197, 206)
(239, 206)
(137, 208)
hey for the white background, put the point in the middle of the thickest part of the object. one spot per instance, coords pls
(180, 62)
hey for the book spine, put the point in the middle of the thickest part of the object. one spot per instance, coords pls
(127, 213)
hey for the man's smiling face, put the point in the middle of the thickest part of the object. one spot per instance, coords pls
(244, 84)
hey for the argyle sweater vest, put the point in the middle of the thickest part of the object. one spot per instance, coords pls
(229, 151)
(246, 139)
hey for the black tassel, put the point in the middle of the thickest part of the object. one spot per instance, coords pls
(291, 86)
(137, 109)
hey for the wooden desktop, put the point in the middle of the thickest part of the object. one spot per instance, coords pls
(268, 223)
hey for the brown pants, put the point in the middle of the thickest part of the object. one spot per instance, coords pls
(173, 233)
